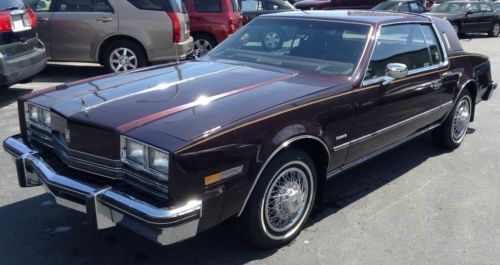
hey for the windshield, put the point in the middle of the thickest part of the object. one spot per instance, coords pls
(310, 45)
(388, 5)
(451, 8)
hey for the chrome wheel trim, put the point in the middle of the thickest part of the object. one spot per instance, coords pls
(123, 59)
(461, 119)
(496, 29)
(287, 229)
(201, 47)
(272, 40)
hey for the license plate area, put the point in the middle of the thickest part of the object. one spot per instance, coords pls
(20, 21)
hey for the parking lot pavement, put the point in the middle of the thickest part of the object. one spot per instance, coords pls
(414, 205)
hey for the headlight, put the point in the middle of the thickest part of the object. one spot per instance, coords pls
(158, 160)
(135, 151)
(33, 113)
(46, 121)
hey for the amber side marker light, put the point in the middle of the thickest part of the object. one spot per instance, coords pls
(217, 177)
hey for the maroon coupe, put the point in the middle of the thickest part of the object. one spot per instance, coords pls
(248, 131)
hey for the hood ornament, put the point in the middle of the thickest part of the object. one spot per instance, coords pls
(85, 107)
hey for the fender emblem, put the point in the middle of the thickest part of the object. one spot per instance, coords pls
(340, 137)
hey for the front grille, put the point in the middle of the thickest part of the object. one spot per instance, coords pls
(97, 165)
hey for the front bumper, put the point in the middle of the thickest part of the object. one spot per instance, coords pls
(105, 206)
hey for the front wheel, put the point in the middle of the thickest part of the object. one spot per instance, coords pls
(495, 30)
(453, 130)
(281, 201)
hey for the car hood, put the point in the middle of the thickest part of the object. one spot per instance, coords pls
(183, 101)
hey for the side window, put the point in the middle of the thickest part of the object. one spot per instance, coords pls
(485, 7)
(102, 6)
(251, 5)
(414, 7)
(473, 7)
(404, 44)
(208, 6)
(432, 42)
(40, 5)
(403, 7)
(74, 6)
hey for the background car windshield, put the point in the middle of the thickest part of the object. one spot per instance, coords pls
(388, 5)
(317, 46)
(11, 4)
(450, 8)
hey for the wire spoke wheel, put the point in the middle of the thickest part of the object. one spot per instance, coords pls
(123, 59)
(461, 119)
(286, 199)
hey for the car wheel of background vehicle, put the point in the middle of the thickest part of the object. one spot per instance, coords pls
(122, 56)
(495, 30)
(281, 200)
(272, 40)
(203, 44)
(453, 130)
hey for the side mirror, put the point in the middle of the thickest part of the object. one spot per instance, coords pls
(469, 12)
(396, 70)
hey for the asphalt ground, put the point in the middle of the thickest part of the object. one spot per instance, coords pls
(416, 204)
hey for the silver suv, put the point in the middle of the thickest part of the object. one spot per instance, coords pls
(119, 34)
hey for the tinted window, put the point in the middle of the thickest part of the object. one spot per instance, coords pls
(158, 5)
(416, 7)
(450, 8)
(394, 6)
(317, 46)
(39, 5)
(11, 4)
(102, 6)
(485, 7)
(406, 44)
(208, 6)
(441, 1)
(74, 6)
(473, 7)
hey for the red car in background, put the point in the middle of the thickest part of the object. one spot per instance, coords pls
(212, 21)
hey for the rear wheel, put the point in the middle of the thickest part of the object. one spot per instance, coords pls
(495, 30)
(453, 130)
(281, 201)
(123, 55)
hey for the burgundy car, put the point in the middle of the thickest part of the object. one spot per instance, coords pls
(170, 151)
(211, 22)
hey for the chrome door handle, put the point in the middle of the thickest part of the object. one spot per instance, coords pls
(43, 19)
(105, 19)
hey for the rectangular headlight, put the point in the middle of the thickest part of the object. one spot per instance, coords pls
(46, 120)
(34, 113)
(158, 160)
(135, 151)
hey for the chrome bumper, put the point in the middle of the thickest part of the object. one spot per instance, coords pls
(105, 206)
(491, 90)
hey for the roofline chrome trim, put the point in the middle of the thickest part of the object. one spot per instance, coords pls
(273, 154)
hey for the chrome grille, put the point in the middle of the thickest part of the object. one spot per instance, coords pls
(97, 165)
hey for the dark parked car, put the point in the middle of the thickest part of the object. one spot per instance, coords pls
(254, 8)
(170, 151)
(22, 55)
(336, 4)
(470, 17)
(212, 21)
(401, 6)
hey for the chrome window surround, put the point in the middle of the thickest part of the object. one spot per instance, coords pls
(29, 122)
(384, 79)
(138, 166)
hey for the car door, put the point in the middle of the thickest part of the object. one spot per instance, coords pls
(78, 26)
(488, 16)
(42, 9)
(472, 21)
(408, 104)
